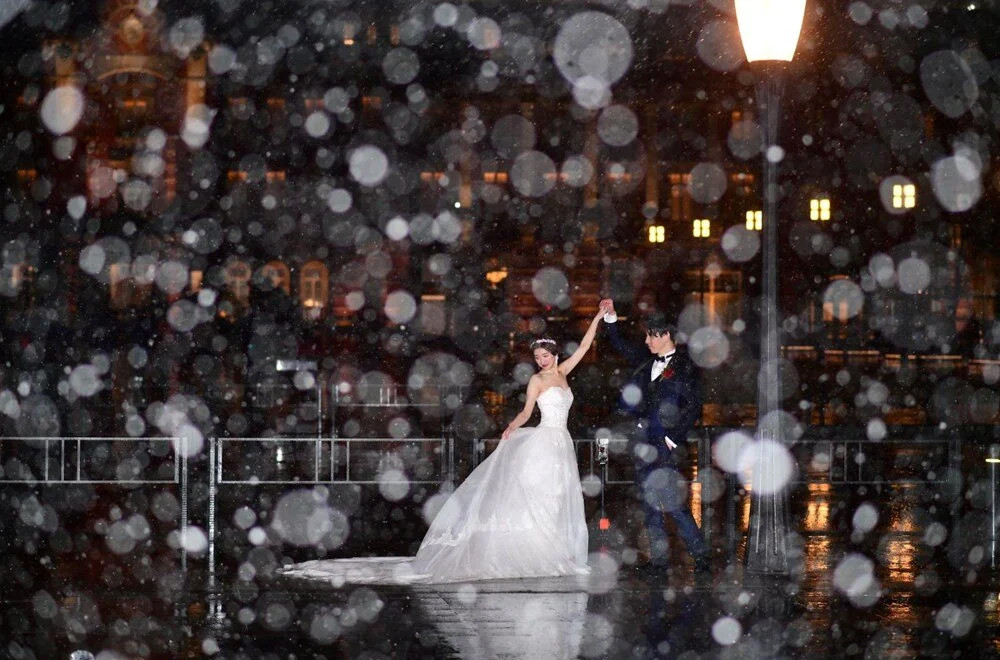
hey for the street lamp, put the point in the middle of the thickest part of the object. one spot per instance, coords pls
(770, 32)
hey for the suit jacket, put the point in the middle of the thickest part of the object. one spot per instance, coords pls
(670, 405)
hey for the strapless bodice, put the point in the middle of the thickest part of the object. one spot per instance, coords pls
(554, 404)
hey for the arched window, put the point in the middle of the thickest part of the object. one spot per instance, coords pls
(237, 276)
(314, 288)
(279, 275)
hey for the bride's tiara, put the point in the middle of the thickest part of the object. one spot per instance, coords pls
(544, 340)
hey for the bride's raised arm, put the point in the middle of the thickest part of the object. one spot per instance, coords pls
(566, 366)
(534, 389)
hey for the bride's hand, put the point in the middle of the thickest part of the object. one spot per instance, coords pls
(506, 433)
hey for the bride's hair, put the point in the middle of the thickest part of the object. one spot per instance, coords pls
(548, 344)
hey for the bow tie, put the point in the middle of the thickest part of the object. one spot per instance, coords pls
(663, 358)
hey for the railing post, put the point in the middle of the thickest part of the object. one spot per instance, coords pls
(451, 461)
(210, 523)
(704, 474)
(955, 472)
(182, 484)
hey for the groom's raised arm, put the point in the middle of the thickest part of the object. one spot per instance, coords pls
(632, 352)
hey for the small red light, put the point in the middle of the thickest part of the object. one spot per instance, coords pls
(605, 523)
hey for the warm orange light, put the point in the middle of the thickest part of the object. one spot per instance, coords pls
(495, 277)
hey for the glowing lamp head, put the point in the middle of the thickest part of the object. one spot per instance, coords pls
(770, 28)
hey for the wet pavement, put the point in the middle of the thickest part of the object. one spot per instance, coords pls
(882, 571)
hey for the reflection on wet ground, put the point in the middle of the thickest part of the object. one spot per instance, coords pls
(886, 572)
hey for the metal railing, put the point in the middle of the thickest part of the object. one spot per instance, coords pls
(245, 461)
(327, 460)
(848, 459)
(55, 449)
(70, 468)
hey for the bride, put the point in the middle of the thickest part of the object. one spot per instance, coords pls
(518, 515)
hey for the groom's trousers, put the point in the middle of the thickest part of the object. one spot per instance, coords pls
(663, 490)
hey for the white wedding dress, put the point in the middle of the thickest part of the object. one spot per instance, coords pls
(519, 514)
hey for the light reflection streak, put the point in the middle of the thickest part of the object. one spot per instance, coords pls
(696, 496)
(818, 508)
(817, 560)
(745, 511)
(900, 554)
(903, 519)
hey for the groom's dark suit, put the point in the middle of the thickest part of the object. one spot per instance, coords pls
(667, 406)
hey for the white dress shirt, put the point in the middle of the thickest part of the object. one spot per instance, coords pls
(660, 366)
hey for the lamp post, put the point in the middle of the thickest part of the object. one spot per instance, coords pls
(769, 30)
(992, 461)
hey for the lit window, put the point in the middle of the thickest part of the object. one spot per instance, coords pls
(133, 105)
(560, 176)
(236, 275)
(819, 209)
(657, 233)
(349, 31)
(120, 285)
(681, 207)
(271, 176)
(755, 220)
(439, 177)
(314, 282)
(904, 196)
(617, 174)
(495, 177)
(702, 228)
(278, 273)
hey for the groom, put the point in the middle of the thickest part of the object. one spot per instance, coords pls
(663, 397)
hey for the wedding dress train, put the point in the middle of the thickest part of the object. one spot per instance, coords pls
(519, 514)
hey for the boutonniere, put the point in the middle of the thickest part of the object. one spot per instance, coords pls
(667, 374)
